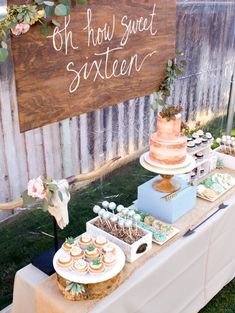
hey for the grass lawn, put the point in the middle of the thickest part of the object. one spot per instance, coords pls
(22, 239)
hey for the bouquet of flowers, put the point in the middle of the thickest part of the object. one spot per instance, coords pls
(49, 195)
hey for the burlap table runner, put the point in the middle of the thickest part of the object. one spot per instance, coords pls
(47, 293)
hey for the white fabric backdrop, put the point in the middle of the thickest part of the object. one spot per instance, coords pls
(181, 279)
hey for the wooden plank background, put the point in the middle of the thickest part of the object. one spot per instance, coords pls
(43, 82)
(205, 30)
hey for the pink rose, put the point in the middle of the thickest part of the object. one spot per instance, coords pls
(17, 30)
(36, 188)
(20, 28)
(25, 28)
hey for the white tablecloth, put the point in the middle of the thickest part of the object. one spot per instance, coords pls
(181, 279)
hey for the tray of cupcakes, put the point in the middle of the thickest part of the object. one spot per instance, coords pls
(88, 260)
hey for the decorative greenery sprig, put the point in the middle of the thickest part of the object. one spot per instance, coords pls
(74, 288)
(90, 248)
(20, 18)
(96, 261)
(174, 70)
(70, 240)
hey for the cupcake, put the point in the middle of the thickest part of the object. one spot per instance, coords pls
(100, 241)
(68, 244)
(191, 144)
(189, 138)
(81, 266)
(76, 252)
(200, 132)
(109, 248)
(96, 266)
(198, 141)
(204, 139)
(84, 240)
(91, 252)
(195, 135)
(109, 259)
(64, 260)
(199, 155)
(149, 219)
(209, 136)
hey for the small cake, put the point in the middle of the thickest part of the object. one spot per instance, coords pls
(149, 219)
(100, 241)
(96, 266)
(204, 139)
(198, 141)
(191, 144)
(68, 244)
(200, 132)
(199, 155)
(195, 135)
(81, 266)
(109, 259)
(189, 139)
(209, 136)
(91, 252)
(85, 239)
(76, 252)
(64, 260)
(109, 248)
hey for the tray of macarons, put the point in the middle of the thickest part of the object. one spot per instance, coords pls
(88, 260)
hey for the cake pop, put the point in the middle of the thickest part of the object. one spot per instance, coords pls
(105, 204)
(96, 209)
(120, 208)
(112, 206)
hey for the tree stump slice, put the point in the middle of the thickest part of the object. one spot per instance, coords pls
(92, 291)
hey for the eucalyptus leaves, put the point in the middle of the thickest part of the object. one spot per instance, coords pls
(174, 69)
(20, 18)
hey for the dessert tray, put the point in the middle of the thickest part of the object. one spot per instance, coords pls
(162, 232)
(215, 186)
(71, 274)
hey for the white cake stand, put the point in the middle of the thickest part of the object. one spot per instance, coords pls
(167, 183)
(89, 278)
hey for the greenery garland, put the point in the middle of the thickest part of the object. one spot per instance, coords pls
(20, 18)
(175, 68)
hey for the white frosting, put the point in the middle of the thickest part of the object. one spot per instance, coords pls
(108, 247)
(86, 237)
(80, 264)
(96, 267)
(100, 240)
(76, 250)
(92, 252)
(64, 258)
(109, 257)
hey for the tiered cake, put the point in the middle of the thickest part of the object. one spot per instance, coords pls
(168, 146)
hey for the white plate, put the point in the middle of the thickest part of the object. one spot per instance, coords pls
(153, 163)
(168, 171)
(90, 278)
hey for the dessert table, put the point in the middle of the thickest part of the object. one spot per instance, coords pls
(180, 278)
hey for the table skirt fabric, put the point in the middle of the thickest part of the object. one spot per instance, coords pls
(181, 278)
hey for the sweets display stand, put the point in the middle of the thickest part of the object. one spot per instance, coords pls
(205, 163)
(96, 285)
(167, 183)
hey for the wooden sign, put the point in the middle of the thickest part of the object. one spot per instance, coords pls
(102, 54)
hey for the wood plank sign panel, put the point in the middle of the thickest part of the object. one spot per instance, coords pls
(105, 52)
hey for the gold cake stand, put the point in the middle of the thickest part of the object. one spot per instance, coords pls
(167, 183)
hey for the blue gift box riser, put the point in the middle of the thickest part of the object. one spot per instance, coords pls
(153, 203)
